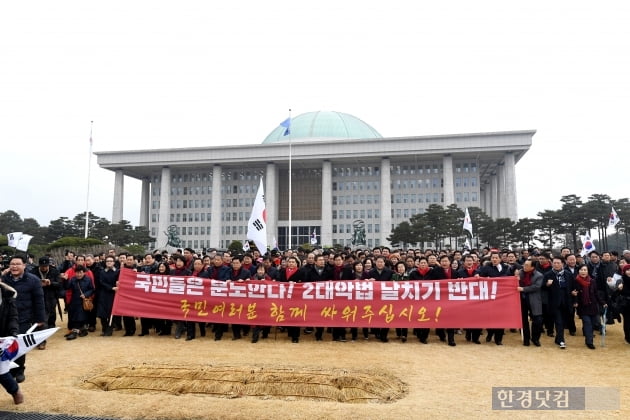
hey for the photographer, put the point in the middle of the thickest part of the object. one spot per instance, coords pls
(52, 286)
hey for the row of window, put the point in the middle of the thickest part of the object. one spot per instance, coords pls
(355, 199)
(357, 171)
(348, 228)
(356, 214)
(356, 185)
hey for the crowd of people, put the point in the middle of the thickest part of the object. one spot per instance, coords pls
(553, 289)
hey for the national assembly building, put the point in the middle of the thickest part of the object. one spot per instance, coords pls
(350, 186)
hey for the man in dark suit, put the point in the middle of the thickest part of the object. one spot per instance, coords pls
(560, 284)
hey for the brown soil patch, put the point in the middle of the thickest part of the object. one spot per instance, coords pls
(252, 381)
(441, 381)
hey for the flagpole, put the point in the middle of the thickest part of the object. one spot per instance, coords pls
(87, 198)
(290, 184)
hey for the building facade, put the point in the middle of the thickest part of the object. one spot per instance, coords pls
(349, 184)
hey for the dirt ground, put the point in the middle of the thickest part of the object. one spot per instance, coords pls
(442, 381)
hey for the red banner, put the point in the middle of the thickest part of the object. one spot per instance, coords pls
(459, 303)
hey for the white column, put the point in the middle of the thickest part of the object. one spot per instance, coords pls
(326, 233)
(119, 191)
(449, 191)
(165, 208)
(271, 202)
(501, 190)
(145, 198)
(215, 223)
(386, 202)
(509, 173)
(494, 191)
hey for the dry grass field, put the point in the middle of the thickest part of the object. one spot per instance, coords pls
(439, 381)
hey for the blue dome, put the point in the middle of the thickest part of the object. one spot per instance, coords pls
(324, 125)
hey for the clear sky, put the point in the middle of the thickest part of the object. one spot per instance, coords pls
(160, 74)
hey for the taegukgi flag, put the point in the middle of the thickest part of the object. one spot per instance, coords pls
(257, 225)
(587, 245)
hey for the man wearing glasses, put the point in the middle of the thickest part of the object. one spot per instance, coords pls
(29, 301)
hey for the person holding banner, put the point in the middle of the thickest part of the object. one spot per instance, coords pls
(445, 272)
(319, 271)
(530, 283)
(381, 273)
(401, 274)
(180, 270)
(495, 269)
(239, 274)
(292, 273)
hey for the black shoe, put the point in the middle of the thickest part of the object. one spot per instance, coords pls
(295, 340)
(590, 346)
(526, 343)
(254, 339)
(549, 333)
(129, 334)
(424, 341)
(19, 378)
(178, 335)
(236, 337)
(536, 343)
(403, 339)
(488, 338)
(452, 343)
(164, 333)
(217, 338)
(83, 333)
(72, 336)
(188, 338)
(573, 333)
(318, 339)
(476, 341)
(498, 343)
(384, 340)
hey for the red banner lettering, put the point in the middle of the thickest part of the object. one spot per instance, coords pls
(457, 303)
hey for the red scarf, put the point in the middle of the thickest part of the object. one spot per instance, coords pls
(585, 282)
(290, 271)
(527, 279)
(424, 271)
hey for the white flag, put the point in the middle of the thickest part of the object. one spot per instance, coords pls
(257, 225)
(13, 239)
(468, 223)
(22, 244)
(314, 238)
(587, 245)
(614, 218)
